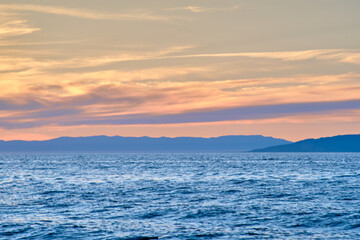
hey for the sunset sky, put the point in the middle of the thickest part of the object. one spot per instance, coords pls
(287, 69)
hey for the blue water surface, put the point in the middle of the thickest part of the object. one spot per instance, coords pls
(180, 196)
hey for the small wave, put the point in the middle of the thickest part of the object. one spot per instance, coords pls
(209, 213)
(209, 235)
(253, 234)
(243, 181)
(277, 195)
(15, 232)
(151, 215)
(299, 225)
(354, 226)
(230, 191)
(140, 238)
(50, 192)
(334, 215)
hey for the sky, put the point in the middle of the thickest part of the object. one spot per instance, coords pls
(205, 68)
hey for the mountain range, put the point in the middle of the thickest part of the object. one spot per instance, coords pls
(234, 143)
(342, 143)
(143, 144)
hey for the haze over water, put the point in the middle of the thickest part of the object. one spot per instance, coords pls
(180, 196)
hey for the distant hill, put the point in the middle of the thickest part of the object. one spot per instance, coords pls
(343, 143)
(142, 144)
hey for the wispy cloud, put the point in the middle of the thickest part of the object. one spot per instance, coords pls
(11, 28)
(340, 55)
(12, 63)
(123, 57)
(33, 66)
(198, 9)
(87, 14)
(39, 43)
(337, 55)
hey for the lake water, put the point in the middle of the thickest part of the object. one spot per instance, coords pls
(180, 196)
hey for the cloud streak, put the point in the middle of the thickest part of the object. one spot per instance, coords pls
(11, 28)
(339, 55)
(30, 66)
(86, 14)
(198, 9)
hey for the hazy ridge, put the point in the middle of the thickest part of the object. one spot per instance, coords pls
(143, 144)
(342, 143)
